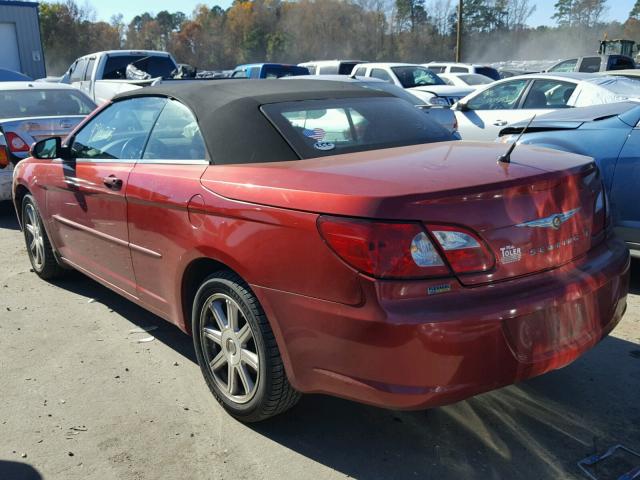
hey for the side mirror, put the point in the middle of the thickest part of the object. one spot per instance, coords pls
(49, 149)
(460, 107)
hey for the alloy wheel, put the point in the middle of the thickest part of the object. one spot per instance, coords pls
(229, 348)
(35, 240)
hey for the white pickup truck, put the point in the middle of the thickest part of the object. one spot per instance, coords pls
(103, 75)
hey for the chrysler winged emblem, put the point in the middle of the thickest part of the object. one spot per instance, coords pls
(554, 221)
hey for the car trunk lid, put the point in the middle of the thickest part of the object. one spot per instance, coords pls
(33, 129)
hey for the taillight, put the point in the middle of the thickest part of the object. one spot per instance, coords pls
(4, 156)
(383, 249)
(464, 250)
(16, 144)
(600, 212)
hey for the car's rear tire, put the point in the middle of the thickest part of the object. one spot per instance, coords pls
(39, 249)
(237, 352)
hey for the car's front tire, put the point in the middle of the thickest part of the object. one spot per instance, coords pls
(237, 352)
(39, 249)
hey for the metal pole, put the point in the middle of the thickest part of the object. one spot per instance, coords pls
(459, 34)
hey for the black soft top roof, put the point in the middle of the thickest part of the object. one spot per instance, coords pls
(228, 112)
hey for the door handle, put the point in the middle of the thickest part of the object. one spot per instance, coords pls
(112, 182)
(500, 123)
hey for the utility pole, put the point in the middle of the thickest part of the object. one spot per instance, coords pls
(459, 34)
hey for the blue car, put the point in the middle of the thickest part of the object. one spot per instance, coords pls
(11, 76)
(611, 135)
(268, 70)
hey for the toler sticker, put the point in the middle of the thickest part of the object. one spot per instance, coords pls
(439, 289)
(324, 146)
(510, 254)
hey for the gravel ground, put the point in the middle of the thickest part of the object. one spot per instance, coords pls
(81, 398)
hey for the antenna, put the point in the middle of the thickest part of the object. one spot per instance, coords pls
(506, 158)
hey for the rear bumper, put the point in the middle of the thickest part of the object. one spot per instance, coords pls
(412, 353)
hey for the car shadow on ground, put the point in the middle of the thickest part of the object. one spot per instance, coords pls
(18, 471)
(8, 218)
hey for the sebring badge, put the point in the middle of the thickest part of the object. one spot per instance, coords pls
(554, 221)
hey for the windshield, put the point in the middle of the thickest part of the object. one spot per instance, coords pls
(156, 66)
(416, 77)
(40, 103)
(316, 128)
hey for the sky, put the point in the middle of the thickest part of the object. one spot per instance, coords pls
(618, 9)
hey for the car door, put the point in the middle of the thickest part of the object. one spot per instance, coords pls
(165, 209)
(623, 193)
(86, 193)
(85, 85)
(485, 114)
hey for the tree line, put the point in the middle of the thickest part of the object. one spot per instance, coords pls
(211, 37)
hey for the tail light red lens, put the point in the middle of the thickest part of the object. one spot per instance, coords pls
(464, 250)
(383, 249)
(16, 144)
(4, 156)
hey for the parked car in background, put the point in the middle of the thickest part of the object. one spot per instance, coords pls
(357, 258)
(418, 80)
(593, 64)
(611, 135)
(331, 67)
(484, 113)
(440, 114)
(31, 111)
(102, 75)
(6, 171)
(11, 76)
(452, 67)
(471, 80)
(268, 70)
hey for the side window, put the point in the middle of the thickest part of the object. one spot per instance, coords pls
(313, 69)
(459, 70)
(175, 136)
(501, 97)
(590, 64)
(239, 74)
(78, 72)
(328, 70)
(119, 132)
(361, 72)
(549, 94)
(621, 63)
(381, 74)
(89, 71)
(566, 66)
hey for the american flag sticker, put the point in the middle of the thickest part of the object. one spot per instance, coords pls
(316, 133)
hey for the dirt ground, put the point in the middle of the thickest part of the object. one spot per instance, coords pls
(81, 398)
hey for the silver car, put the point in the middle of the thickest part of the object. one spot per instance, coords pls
(31, 111)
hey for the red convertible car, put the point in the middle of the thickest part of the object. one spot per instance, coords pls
(326, 237)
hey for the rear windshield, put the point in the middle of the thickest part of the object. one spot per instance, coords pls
(472, 79)
(488, 72)
(317, 128)
(38, 103)
(156, 66)
(416, 77)
(279, 71)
